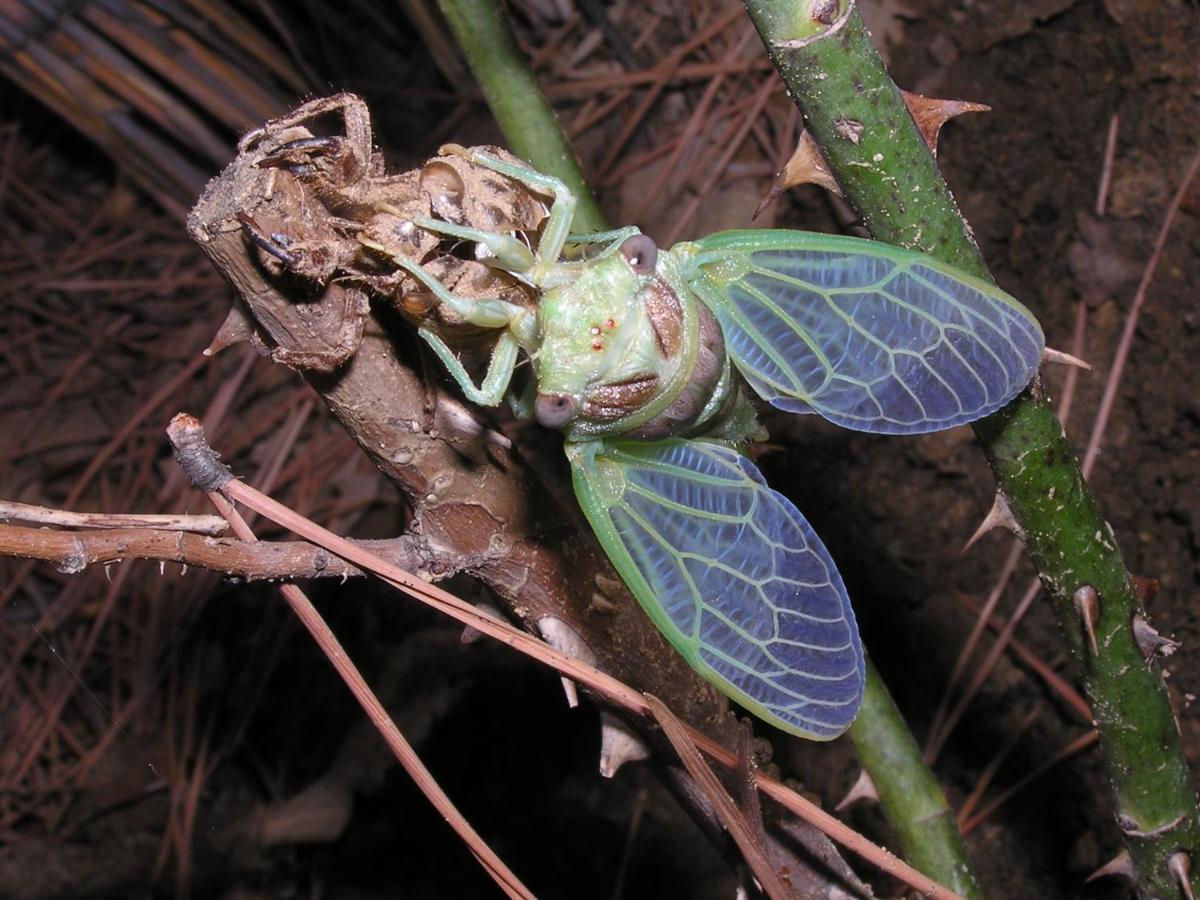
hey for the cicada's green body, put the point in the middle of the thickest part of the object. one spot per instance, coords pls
(639, 356)
(626, 353)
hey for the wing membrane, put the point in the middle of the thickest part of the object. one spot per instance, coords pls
(869, 336)
(731, 573)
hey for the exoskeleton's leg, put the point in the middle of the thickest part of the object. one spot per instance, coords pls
(499, 371)
(562, 210)
(356, 142)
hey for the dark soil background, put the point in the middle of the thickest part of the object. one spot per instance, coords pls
(236, 704)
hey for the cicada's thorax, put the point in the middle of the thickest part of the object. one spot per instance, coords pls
(632, 354)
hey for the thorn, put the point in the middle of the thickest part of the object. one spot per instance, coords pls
(618, 744)
(823, 11)
(1146, 589)
(1179, 864)
(806, 166)
(768, 198)
(999, 516)
(862, 789)
(1133, 828)
(455, 420)
(849, 129)
(470, 634)
(571, 692)
(931, 114)
(604, 597)
(601, 604)
(1149, 641)
(1120, 866)
(236, 329)
(495, 437)
(1087, 606)
(1050, 355)
(565, 639)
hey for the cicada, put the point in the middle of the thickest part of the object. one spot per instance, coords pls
(639, 356)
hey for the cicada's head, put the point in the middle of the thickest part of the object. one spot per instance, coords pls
(600, 356)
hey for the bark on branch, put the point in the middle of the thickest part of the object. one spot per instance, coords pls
(72, 551)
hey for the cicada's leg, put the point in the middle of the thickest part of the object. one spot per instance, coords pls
(507, 252)
(499, 372)
(562, 211)
(488, 312)
(615, 235)
(522, 404)
(613, 238)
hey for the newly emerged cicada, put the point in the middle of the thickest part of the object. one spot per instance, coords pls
(638, 356)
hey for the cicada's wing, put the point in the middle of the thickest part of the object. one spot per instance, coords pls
(731, 573)
(869, 336)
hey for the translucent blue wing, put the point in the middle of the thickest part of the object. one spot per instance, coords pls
(731, 573)
(866, 335)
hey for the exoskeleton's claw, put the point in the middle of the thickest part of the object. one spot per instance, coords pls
(335, 162)
(274, 244)
(455, 150)
(296, 156)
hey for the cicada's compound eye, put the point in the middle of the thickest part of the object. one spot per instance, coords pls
(641, 253)
(555, 410)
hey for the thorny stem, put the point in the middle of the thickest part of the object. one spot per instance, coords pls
(909, 794)
(934, 846)
(512, 93)
(825, 56)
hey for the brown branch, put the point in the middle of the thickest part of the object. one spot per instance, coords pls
(72, 551)
(44, 515)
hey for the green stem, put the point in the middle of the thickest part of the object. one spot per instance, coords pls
(876, 152)
(529, 126)
(909, 794)
(527, 120)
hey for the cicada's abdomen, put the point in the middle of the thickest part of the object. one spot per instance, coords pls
(689, 394)
(702, 393)
(626, 349)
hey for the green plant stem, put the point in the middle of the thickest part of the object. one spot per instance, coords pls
(527, 120)
(886, 171)
(909, 794)
(934, 846)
